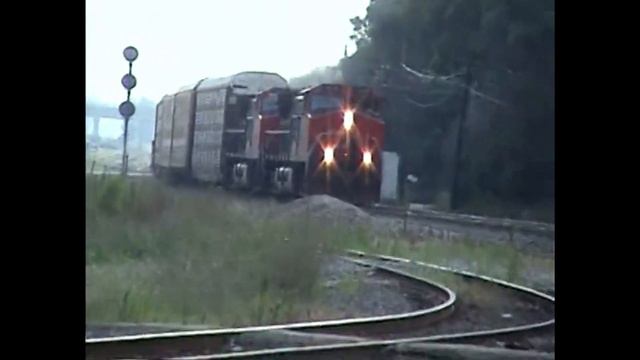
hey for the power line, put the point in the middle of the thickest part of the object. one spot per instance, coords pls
(448, 79)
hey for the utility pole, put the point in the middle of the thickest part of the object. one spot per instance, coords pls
(455, 192)
(127, 109)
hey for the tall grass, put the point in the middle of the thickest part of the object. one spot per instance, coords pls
(160, 254)
(498, 260)
(171, 255)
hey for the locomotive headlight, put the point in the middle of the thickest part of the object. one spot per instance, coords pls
(366, 158)
(347, 119)
(328, 155)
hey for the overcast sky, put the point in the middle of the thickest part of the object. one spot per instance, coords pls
(182, 41)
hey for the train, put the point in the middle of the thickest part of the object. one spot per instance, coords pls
(252, 132)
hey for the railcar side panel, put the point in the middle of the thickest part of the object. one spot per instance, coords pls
(162, 150)
(182, 127)
(208, 134)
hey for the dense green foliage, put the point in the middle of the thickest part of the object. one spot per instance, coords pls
(508, 138)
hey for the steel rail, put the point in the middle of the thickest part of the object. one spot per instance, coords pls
(499, 224)
(209, 341)
(375, 347)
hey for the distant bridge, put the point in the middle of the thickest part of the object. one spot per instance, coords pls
(141, 125)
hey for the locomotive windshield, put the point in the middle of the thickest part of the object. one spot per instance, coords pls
(322, 103)
(269, 105)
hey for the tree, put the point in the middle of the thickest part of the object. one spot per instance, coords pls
(415, 50)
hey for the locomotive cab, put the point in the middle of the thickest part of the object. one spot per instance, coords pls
(334, 136)
(345, 141)
(275, 108)
(239, 162)
(267, 122)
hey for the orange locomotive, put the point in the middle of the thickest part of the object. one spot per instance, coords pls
(325, 139)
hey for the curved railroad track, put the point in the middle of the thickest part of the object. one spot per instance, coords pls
(222, 340)
(349, 338)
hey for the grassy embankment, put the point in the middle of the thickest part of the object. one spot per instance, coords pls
(161, 254)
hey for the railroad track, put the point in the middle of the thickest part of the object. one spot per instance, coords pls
(348, 338)
(506, 225)
(216, 341)
(540, 301)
